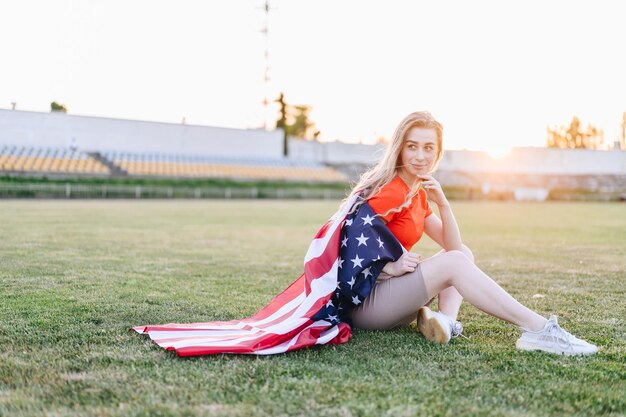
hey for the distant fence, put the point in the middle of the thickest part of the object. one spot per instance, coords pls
(78, 191)
(112, 191)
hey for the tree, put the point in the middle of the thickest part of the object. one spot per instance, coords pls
(294, 119)
(574, 136)
(301, 121)
(54, 106)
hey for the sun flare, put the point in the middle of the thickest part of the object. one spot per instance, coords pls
(499, 152)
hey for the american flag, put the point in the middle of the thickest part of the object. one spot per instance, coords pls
(340, 268)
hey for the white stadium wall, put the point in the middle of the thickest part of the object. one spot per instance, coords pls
(520, 160)
(335, 152)
(60, 130)
(87, 133)
(538, 161)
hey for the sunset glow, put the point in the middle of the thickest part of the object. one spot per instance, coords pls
(499, 152)
(494, 73)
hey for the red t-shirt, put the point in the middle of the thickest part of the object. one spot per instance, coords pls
(408, 224)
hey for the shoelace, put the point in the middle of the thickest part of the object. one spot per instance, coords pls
(562, 337)
(457, 329)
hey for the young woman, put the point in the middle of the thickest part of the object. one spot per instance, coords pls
(381, 284)
(397, 189)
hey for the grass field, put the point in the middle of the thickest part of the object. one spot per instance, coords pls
(75, 275)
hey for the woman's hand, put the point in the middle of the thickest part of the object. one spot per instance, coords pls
(406, 263)
(433, 190)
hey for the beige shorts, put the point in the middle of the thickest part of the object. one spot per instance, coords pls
(392, 302)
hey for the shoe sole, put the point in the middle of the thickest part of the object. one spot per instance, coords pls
(430, 327)
(527, 346)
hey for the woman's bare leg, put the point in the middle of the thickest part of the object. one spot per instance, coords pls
(453, 268)
(450, 302)
(450, 299)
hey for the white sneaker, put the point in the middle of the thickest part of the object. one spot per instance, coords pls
(552, 338)
(437, 327)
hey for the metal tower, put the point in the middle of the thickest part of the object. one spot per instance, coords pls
(266, 74)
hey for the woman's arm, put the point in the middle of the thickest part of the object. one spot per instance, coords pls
(444, 231)
(450, 230)
(434, 229)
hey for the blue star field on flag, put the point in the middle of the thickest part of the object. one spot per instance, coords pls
(366, 246)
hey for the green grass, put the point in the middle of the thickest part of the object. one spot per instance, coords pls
(74, 276)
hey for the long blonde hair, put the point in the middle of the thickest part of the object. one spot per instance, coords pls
(373, 180)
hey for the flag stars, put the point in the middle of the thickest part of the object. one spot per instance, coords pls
(349, 222)
(332, 318)
(352, 281)
(380, 242)
(340, 262)
(357, 261)
(344, 242)
(330, 303)
(367, 220)
(355, 300)
(367, 272)
(362, 240)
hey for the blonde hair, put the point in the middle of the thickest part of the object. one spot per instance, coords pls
(373, 180)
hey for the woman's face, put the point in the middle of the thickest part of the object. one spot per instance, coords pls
(419, 152)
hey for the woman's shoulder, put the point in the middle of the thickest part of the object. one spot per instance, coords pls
(391, 195)
(395, 190)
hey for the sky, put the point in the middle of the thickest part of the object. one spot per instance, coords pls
(495, 73)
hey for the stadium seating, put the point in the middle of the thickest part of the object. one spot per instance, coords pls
(170, 165)
(24, 159)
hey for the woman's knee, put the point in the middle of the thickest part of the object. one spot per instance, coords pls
(456, 256)
(464, 250)
(467, 252)
(453, 261)
(443, 271)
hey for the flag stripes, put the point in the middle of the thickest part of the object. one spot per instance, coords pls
(285, 324)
